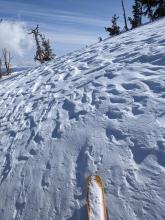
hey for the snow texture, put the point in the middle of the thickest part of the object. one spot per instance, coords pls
(99, 110)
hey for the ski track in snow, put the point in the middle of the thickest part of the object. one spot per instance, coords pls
(99, 110)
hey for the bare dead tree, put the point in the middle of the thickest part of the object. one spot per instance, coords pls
(124, 14)
(7, 60)
(44, 51)
(39, 52)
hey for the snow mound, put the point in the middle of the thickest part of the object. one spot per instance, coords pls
(99, 110)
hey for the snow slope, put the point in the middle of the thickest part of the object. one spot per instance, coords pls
(99, 110)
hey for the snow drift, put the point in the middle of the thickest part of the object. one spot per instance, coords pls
(99, 110)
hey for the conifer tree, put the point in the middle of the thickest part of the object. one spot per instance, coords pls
(148, 8)
(100, 39)
(137, 15)
(160, 9)
(43, 51)
(48, 54)
(114, 29)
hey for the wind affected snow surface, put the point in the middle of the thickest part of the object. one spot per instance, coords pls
(99, 110)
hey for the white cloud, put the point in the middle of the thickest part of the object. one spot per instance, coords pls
(67, 30)
(69, 18)
(14, 37)
(54, 15)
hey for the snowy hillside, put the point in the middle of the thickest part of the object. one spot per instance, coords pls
(99, 110)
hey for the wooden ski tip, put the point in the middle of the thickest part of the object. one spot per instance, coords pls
(96, 205)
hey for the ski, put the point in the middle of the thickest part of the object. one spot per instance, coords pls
(96, 206)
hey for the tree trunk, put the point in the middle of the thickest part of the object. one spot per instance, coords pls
(149, 11)
(124, 14)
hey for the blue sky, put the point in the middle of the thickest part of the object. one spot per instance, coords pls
(69, 24)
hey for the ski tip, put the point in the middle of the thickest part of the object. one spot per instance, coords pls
(96, 205)
(95, 178)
